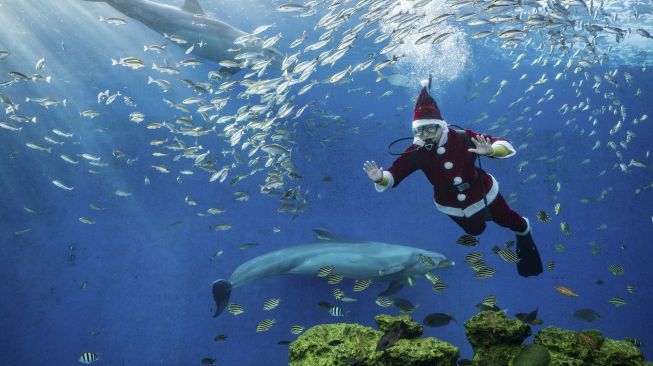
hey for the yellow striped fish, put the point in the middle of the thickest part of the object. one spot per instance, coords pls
(439, 286)
(235, 309)
(476, 266)
(265, 325)
(271, 303)
(508, 256)
(431, 277)
(338, 293)
(467, 240)
(297, 329)
(324, 271)
(485, 272)
(360, 285)
(428, 261)
(473, 257)
(384, 302)
(542, 216)
(335, 278)
(489, 301)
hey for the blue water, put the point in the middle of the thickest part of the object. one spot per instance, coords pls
(146, 262)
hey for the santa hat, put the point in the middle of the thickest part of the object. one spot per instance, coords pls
(426, 109)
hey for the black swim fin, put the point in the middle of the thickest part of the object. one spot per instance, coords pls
(392, 289)
(529, 263)
(221, 295)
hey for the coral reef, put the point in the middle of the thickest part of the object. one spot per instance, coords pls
(587, 347)
(496, 340)
(355, 345)
(532, 355)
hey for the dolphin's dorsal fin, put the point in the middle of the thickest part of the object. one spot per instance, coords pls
(193, 6)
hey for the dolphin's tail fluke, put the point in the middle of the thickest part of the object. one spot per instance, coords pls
(221, 295)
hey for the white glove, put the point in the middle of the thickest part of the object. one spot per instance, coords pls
(373, 172)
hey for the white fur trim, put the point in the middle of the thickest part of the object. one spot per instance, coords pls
(426, 122)
(448, 165)
(424, 83)
(441, 150)
(445, 135)
(461, 197)
(528, 228)
(474, 207)
(457, 180)
(391, 182)
(507, 145)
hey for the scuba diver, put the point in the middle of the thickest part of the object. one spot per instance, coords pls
(466, 193)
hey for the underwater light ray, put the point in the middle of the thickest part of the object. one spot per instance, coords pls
(79, 86)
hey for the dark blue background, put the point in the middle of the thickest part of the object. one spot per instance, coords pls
(149, 281)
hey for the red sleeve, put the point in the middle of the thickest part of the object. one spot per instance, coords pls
(404, 165)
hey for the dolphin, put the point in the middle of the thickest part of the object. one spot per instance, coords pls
(193, 25)
(354, 260)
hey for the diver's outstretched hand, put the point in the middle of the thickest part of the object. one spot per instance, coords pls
(373, 172)
(483, 145)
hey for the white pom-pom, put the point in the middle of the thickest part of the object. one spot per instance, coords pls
(424, 83)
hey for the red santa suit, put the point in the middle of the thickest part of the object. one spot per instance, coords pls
(459, 186)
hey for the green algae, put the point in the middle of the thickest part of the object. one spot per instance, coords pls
(532, 355)
(357, 346)
(496, 340)
(489, 328)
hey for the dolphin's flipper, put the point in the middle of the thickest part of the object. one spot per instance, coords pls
(325, 234)
(193, 7)
(392, 289)
(529, 263)
(221, 295)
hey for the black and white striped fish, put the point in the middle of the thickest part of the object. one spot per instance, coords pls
(88, 357)
(617, 301)
(336, 311)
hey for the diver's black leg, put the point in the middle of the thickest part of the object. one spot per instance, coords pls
(221, 295)
(529, 263)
